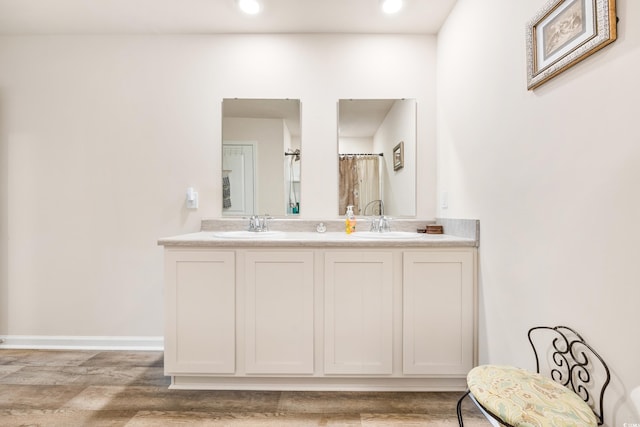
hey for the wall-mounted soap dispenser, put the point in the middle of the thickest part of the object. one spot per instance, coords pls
(192, 198)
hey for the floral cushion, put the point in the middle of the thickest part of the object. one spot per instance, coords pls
(525, 399)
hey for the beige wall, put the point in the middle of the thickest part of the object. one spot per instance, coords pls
(553, 176)
(102, 135)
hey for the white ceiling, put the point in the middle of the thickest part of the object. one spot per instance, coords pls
(285, 109)
(361, 118)
(217, 16)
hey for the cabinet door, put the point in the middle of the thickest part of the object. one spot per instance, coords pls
(358, 313)
(279, 313)
(438, 312)
(200, 312)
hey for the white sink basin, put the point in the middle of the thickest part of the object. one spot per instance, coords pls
(403, 235)
(243, 234)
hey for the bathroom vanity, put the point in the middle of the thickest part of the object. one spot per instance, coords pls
(302, 310)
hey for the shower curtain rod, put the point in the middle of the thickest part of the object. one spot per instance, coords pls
(361, 154)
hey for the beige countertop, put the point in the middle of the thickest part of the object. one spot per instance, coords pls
(229, 233)
(358, 239)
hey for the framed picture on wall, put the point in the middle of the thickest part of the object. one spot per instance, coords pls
(564, 33)
(398, 156)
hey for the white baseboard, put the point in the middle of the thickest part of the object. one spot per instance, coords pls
(49, 342)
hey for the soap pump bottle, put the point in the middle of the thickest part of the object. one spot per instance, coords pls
(350, 220)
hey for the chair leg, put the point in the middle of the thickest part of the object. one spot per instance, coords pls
(459, 409)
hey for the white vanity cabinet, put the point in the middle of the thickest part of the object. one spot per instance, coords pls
(310, 315)
(438, 304)
(278, 312)
(358, 312)
(200, 312)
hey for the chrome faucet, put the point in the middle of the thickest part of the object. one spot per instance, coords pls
(259, 223)
(380, 224)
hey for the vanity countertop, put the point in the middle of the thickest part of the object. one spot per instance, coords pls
(361, 239)
(227, 232)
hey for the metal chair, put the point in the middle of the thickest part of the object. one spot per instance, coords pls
(568, 385)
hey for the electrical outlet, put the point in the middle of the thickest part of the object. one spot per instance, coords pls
(192, 198)
(444, 200)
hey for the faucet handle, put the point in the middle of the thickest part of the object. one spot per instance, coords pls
(264, 222)
(254, 223)
(378, 224)
(385, 224)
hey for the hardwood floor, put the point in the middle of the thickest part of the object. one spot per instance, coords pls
(127, 388)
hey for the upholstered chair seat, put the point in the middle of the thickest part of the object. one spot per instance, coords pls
(527, 399)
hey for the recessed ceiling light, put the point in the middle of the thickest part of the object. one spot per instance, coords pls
(391, 6)
(250, 7)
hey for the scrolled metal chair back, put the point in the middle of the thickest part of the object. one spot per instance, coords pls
(570, 361)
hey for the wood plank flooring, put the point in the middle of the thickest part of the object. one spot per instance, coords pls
(127, 388)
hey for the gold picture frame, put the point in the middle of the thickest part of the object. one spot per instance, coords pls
(564, 33)
(398, 156)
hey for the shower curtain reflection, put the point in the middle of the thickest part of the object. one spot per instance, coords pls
(292, 180)
(359, 181)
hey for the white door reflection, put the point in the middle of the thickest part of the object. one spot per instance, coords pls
(238, 179)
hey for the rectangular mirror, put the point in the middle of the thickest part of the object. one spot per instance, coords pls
(260, 157)
(377, 156)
